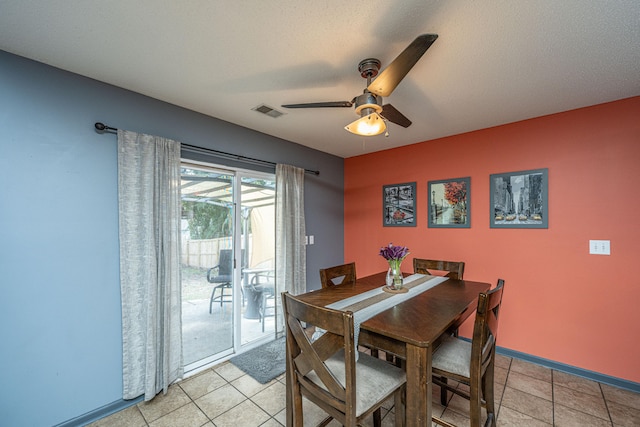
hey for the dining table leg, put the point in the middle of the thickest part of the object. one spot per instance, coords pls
(418, 401)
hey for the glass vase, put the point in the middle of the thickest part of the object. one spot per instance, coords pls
(394, 276)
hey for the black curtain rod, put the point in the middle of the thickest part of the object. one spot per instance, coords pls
(101, 127)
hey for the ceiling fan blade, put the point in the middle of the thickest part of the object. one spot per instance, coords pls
(390, 113)
(391, 76)
(320, 104)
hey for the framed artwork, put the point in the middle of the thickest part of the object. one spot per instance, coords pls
(449, 203)
(399, 205)
(520, 199)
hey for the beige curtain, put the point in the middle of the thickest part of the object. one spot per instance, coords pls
(149, 219)
(291, 257)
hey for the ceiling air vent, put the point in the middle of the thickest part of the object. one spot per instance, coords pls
(265, 109)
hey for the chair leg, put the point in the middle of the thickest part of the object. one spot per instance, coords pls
(377, 418)
(443, 392)
(399, 407)
(475, 411)
(296, 405)
(221, 297)
(487, 394)
(264, 306)
(213, 294)
(481, 393)
(261, 310)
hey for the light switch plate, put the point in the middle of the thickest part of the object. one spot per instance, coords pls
(600, 247)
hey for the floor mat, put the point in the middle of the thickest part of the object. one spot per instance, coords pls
(263, 363)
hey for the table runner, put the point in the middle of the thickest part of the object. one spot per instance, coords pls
(368, 304)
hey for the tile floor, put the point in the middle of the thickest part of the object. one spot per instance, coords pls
(526, 395)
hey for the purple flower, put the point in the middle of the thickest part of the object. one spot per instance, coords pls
(394, 252)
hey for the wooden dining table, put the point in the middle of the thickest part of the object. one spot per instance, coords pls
(409, 330)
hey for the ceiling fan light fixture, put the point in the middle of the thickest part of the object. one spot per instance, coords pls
(368, 125)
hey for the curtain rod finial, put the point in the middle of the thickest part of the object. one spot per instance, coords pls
(101, 128)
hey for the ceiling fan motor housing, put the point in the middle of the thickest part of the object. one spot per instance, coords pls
(368, 103)
(369, 68)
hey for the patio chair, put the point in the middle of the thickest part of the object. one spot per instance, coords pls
(221, 276)
(263, 285)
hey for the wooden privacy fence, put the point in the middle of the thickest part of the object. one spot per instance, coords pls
(203, 253)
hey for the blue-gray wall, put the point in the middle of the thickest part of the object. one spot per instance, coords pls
(60, 319)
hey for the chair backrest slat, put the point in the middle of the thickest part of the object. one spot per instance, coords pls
(455, 268)
(338, 275)
(225, 262)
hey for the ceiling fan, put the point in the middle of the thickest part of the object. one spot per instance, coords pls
(369, 105)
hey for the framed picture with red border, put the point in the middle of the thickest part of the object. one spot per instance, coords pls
(449, 203)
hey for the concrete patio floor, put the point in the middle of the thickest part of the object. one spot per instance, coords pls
(205, 334)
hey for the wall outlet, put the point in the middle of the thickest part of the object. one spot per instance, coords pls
(600, 247)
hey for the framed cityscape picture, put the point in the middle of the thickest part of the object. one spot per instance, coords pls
(519, 199)
(399, 205)
(449, 203)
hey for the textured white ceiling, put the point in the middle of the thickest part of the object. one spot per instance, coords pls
(494, 62)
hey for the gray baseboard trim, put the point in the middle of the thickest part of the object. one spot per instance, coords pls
(100, 413)
(590, 375)
(568, 369)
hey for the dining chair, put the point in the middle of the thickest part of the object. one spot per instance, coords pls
(343, 275)
(455, 268)
(472, 363)
(338, 275)
(325, 370)
(455, 271)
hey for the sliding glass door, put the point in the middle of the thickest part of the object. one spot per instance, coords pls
(227, 261)
(207, 263)
(257, 238)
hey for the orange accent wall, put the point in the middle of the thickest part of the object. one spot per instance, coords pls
(560, 302)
